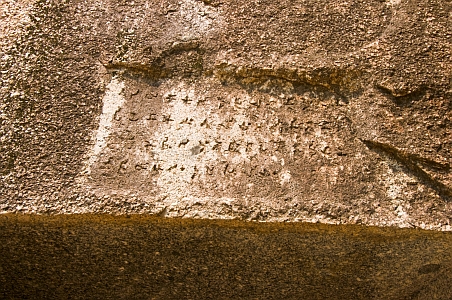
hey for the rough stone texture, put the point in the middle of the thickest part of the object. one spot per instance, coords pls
(105, 257)
(323, 111)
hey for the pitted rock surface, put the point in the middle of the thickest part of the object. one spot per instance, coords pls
(333, 112)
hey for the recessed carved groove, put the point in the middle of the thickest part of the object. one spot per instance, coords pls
(179, 47)
(411, 161)
(155, 69)
(403, 98)
(339, 81)
(213, 3)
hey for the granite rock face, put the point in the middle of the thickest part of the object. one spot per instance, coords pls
(333, 112)
(142, 257)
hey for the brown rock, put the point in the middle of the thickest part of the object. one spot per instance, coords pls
(335, 112)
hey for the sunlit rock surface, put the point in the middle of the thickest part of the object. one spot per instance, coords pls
(334, 112)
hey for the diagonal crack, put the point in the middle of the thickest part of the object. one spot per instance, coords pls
(411, 161)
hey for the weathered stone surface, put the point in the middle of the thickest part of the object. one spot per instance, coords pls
(139, 257)
(336, 112)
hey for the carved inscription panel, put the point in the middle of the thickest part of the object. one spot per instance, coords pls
(204, 139)
(203, 148)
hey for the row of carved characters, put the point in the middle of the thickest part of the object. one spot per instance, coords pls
(223, 168)
(283, 124)
(238, 102)
(309, 149)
